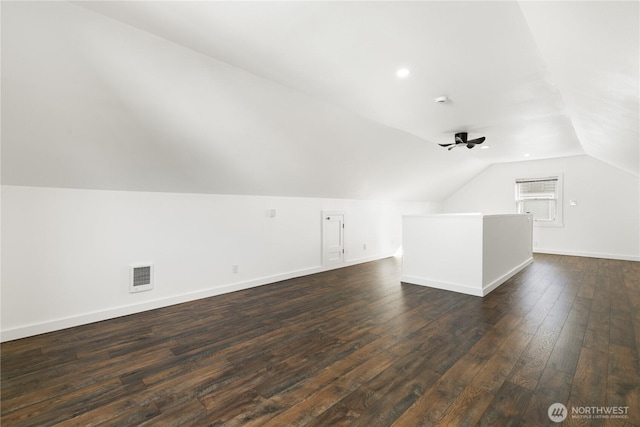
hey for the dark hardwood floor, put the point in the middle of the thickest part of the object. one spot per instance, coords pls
(348, 347)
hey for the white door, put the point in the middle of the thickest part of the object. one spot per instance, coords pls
(332, 238)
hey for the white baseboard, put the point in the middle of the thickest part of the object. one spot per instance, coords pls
(500, 280)
(621, 257)
(465, 289)
(111, 313)
(442, 285)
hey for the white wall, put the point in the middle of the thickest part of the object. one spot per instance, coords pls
(435, 248)
(468, 253)
(506, 248)
(604, 223)
(66, 253)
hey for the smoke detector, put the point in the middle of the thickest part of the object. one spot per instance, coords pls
(442, 100)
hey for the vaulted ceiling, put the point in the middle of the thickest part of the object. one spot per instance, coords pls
(302, 98)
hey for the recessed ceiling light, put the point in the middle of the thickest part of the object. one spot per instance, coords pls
(485, 147)
(403, 73)
(527, 154)
(442, 100)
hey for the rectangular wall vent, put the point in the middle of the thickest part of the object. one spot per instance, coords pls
(141, 277)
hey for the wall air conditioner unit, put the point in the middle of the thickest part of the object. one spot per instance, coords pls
(140, 277)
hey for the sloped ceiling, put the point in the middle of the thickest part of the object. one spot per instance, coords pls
(301, 98)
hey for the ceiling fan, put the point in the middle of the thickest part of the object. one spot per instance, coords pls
(461, 140)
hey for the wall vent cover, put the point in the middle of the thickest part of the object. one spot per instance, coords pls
(141, 277)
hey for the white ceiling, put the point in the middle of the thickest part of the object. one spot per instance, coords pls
(301, 98)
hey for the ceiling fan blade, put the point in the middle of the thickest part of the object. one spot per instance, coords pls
(477, 141)
(459, 140)
(444, 145)
(453, 146)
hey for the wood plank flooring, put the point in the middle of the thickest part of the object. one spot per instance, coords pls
(348, 347)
